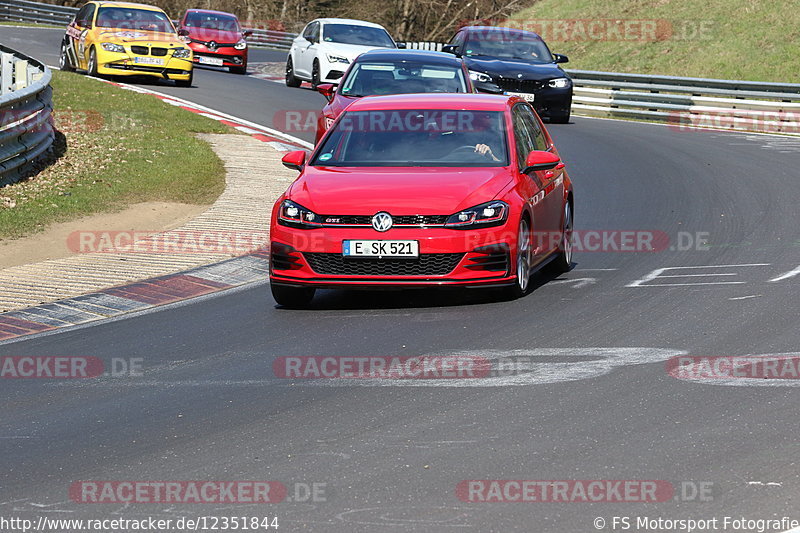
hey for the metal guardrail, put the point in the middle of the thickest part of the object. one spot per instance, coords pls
(26, 105)
(689, 102)
(25, 11)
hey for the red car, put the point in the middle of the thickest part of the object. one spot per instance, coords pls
(216, 39)
(423, 191)
(388, 71)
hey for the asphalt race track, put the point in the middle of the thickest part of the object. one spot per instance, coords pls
(597, 403)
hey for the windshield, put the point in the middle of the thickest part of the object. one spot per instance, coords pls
(134, 19)
(521, 46)
(416, 138)
(212, 21)
(402, 77)
(353, 34)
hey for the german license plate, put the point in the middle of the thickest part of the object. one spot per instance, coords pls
(380, 248)
(148, 60)
(527, 96)
(216, 61)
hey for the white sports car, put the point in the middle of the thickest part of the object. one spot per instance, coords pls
(326, 47)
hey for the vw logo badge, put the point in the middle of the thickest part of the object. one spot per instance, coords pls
(382, 221)
(519, 76)
(212, 45)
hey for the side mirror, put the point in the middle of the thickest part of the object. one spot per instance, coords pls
(183, 32)
(401, 46)
(541, 160)
(294, 160)
(247, 33)
(487, 87)
(450, 49)
(560, 58)
(326, 90)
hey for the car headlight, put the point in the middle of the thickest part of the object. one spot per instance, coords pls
(479, 76)
(337, 59)
(241, 45)
(558, 83)
(182, 52)
(296, 216)
(489, 214)
(113, 47)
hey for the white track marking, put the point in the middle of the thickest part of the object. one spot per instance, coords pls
(579, 283)
(787, 275)
(745, 297)
(657, 274)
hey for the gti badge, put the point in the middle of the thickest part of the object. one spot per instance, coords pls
(382, 221)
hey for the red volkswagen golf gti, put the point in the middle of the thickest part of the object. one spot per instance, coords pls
(423, 191)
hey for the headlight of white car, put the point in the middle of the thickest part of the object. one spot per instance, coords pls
(241, 45)
(113, 47)
(559, 83)
(479, 76)
(332, 58)
(181, 52)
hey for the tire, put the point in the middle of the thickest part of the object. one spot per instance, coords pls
(291, 80)
(522, 283)
(560, 118)
(292, 297)
(239, 70)
(186, 83)
(315, 75)
(92, 66)
(64, 62)
(563, 260)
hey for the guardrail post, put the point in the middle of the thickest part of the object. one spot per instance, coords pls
(20, 74)
(6, 72)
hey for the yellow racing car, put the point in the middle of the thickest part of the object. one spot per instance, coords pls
(121, 38)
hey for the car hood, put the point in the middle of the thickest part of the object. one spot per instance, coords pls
(350, 51)
(136, 36)
(512, 69)
(220, 36)
(399, 191)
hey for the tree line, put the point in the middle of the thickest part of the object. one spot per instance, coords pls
(406, 20)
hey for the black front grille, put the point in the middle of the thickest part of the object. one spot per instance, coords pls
(159, 51)
(140, 50)
(520, 86)
(425, 265)
(402, 220)
(145, 68)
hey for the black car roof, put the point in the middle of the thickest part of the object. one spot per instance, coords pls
(499, 29)
(389, 54)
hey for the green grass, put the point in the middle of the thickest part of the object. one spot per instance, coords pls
(744, 40)
(117, 148)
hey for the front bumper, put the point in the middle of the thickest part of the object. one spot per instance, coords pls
(231, 57)
(124, 64)
(331, 72)
(547, 101)
(467, 258)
